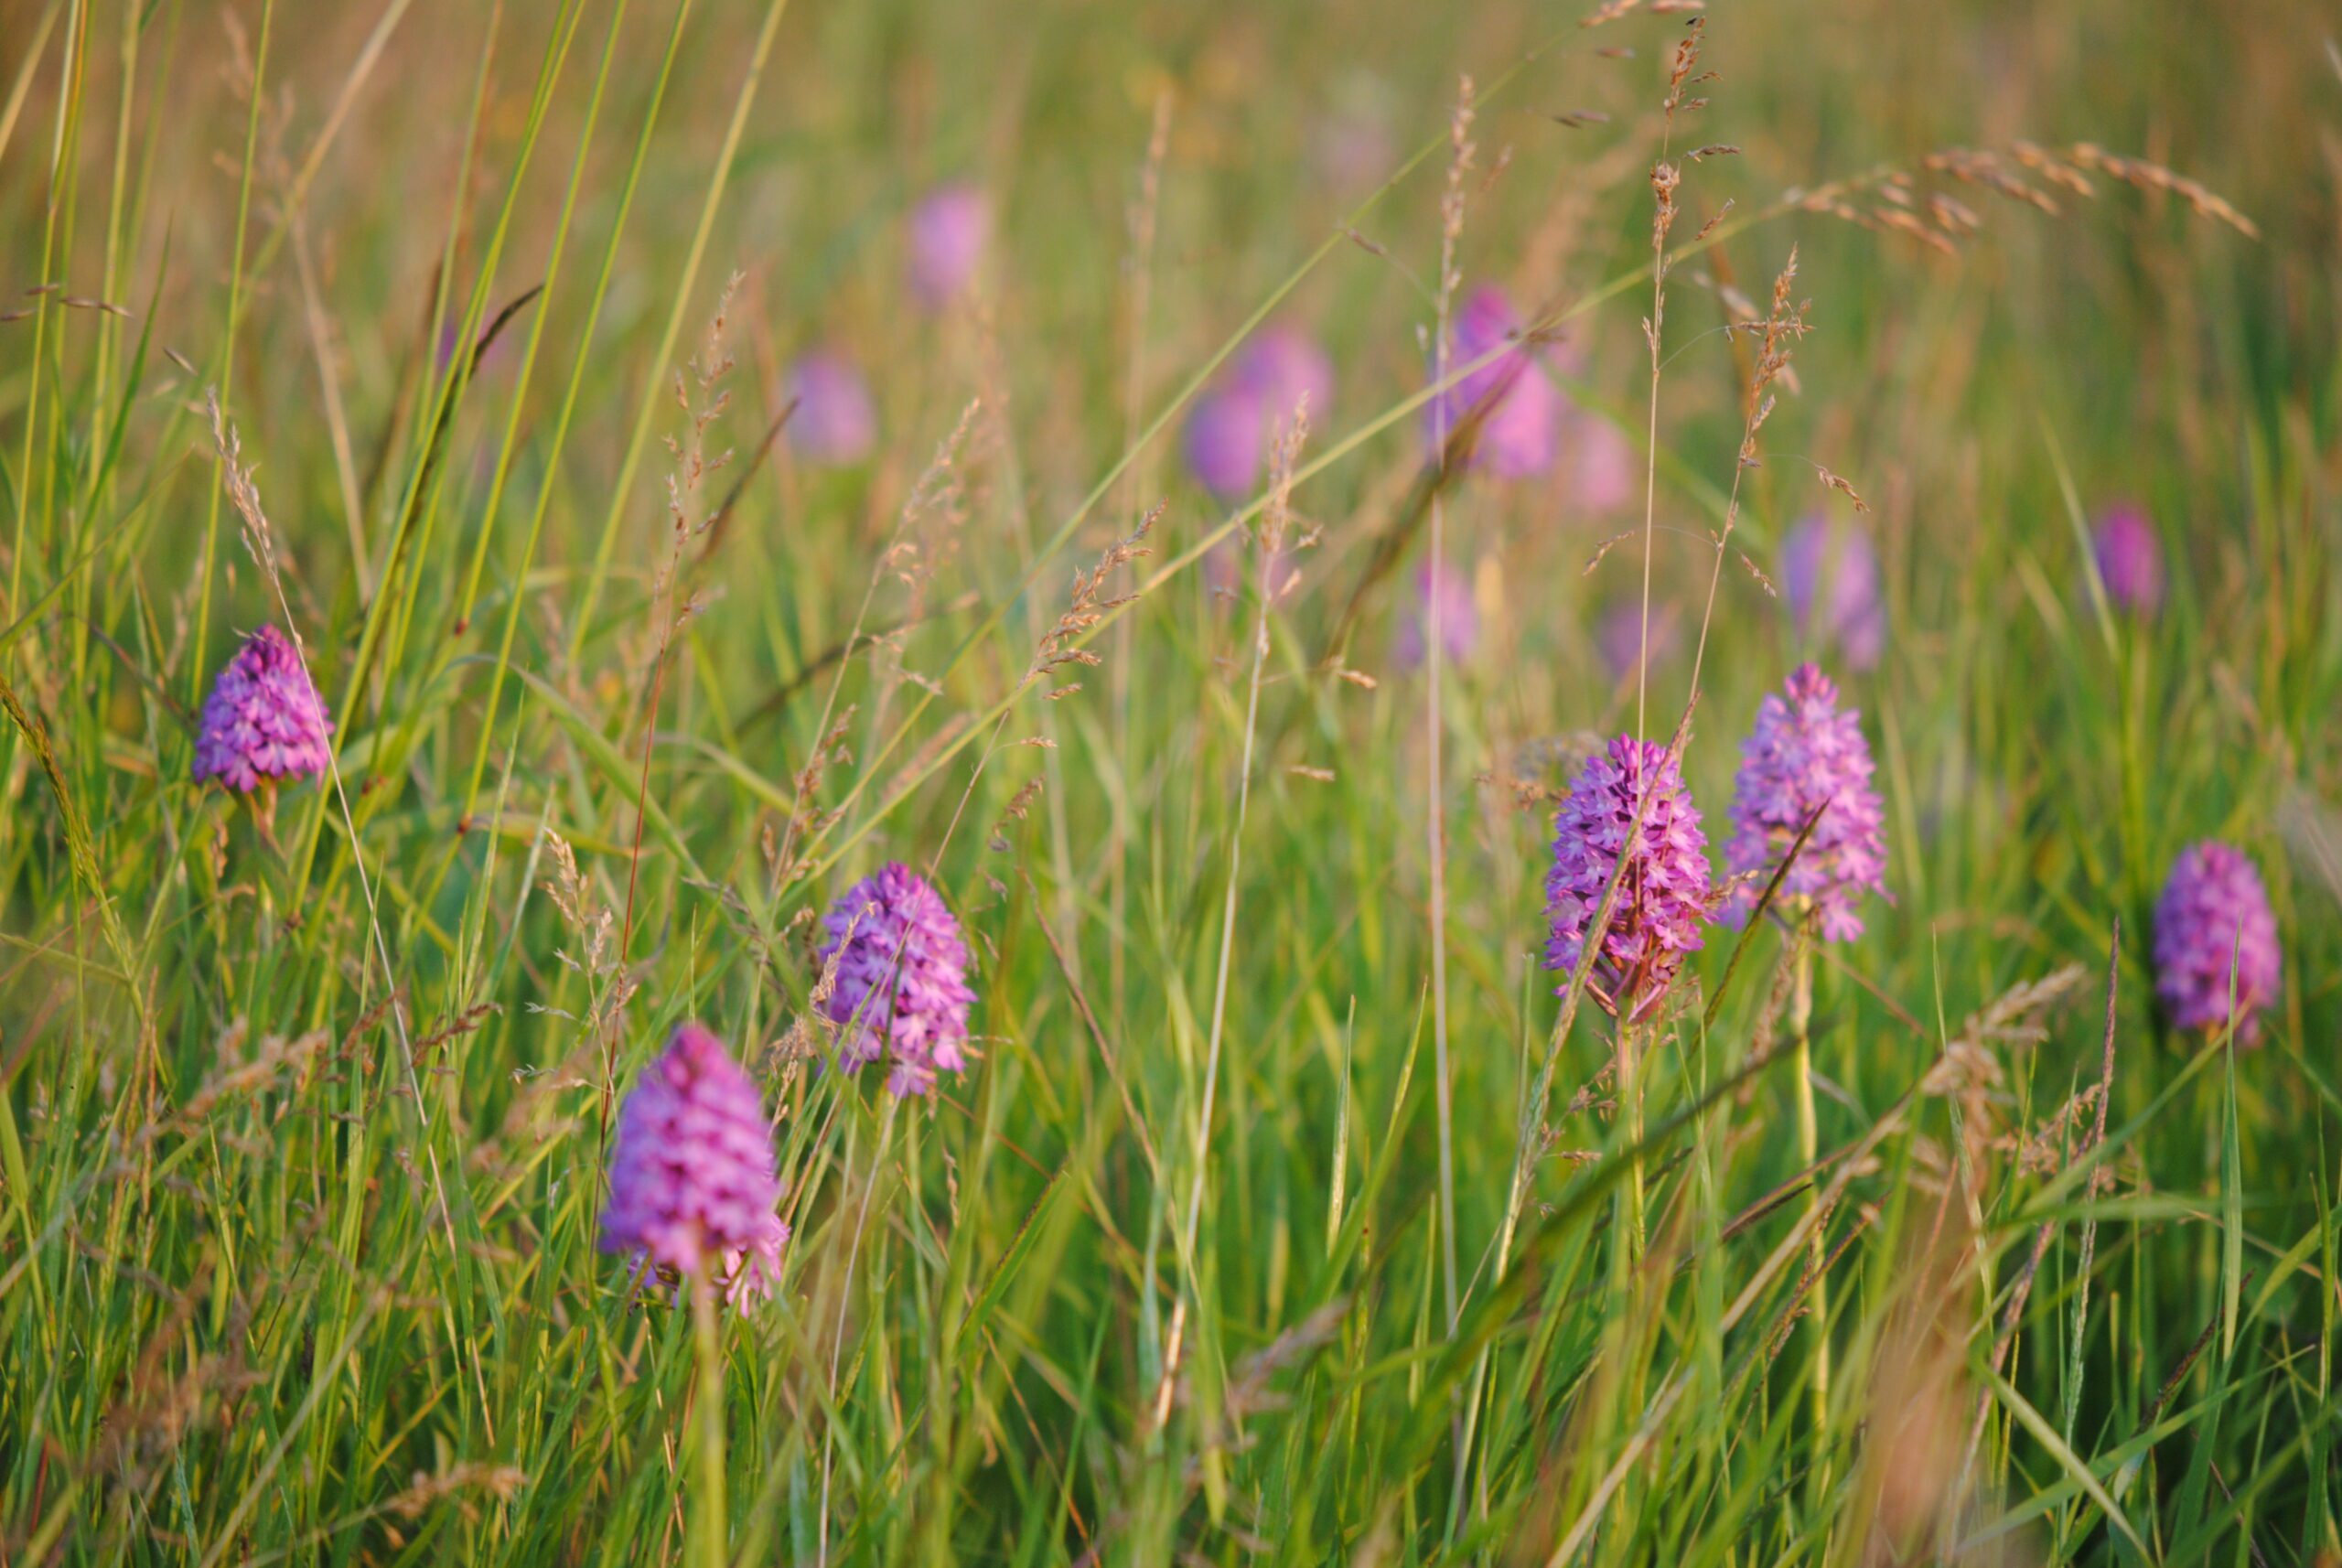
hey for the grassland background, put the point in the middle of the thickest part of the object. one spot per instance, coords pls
(262, 1301)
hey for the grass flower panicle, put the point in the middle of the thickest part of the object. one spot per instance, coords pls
(1806, 755)
(902, 989)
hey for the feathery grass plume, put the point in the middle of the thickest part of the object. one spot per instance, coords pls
(692, 1185)
(1520, 437)
(1230, 427)
(1829, 570)
(1806, 755)
(1458, 618)
(264, 720)
(2213, 923)
(902, 989)
(835, 425)
(950, 229)
(1666, 895)
(2129, 559)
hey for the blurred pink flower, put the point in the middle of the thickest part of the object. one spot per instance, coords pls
(1520, 436)
(1602, 469)
(1830, 575)
(1459, 618)
(835, 422)
(2129, 559)
(1228, 431)
(1620, 635)
(949, 231)
(2214, 927)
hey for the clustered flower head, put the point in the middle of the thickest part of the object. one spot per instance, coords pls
(949, 229)
(264, 720)
(692, 1185)
(1229, 431)
(901, 984)
(1459, 618)
(2213, 922)
(835, 422)
(2130, 560)
(1830, 572)
(1806, 755)
(1664, 896)
(1520, 436)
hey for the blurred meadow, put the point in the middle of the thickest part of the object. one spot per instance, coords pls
(672, 544)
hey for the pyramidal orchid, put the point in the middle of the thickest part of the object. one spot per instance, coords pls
(2214, 927)
(1520, 434)
(1830, 575)
(692, 1184)
(263, 721)
(901, 987)
(1664, 894)
(1807, 755)
(1228, 433)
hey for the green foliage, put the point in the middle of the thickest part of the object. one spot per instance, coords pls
(302, 1122)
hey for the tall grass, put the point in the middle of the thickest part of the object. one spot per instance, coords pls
(1290, 1214)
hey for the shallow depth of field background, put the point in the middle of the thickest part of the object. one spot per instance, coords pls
(262, 1301)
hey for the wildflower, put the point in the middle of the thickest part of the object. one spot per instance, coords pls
(1603, 471)
(834, 423)
(1830, 574)
(1520, 436)
(1664, 896)
(2212, 921)
(693, 1186)
(949, 229)
(2130, 560)
(1806, 755)
(1460, 617)
(264, 720)
(902, 989)
(1618, 636)
(1229, 430)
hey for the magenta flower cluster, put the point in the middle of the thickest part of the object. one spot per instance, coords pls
(1520, 436)
(1807, 755)
(693, 1186)
(264, 720)
(901, 988)
(1664, 896)
(1227, 434)
(2213, 924)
